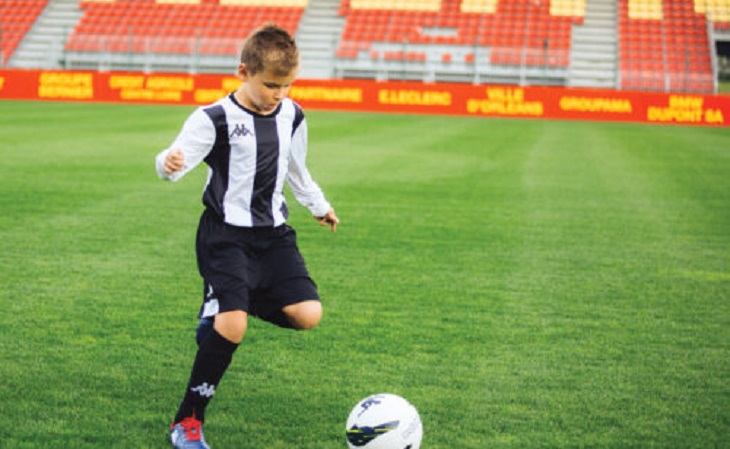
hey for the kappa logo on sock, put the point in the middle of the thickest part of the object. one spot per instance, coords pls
(204, 390)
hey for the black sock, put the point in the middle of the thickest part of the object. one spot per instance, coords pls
(214, 355)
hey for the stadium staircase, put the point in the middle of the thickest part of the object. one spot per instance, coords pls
(43, 45)
(318, 33)
(16, 19)
(594, 47)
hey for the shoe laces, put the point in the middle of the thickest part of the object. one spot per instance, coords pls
(191, 428)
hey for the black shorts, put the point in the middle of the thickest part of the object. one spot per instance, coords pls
(258, 270)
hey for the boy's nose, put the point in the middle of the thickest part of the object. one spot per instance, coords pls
(279, 94)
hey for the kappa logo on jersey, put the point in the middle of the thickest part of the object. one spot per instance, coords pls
(240, 130)
(204, 390)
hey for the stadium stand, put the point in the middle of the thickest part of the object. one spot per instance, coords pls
(717, 12)
(498, 33)
(655, 45)
(207, 27)
(16, 18)
(664, 46)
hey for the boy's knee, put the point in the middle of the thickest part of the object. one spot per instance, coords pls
(231, 325)
(304, 315)
(306, 323)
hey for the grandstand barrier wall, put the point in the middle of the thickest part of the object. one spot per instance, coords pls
(378, 96)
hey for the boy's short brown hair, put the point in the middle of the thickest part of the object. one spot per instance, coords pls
(270, 47)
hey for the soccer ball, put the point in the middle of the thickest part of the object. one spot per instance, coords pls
(384, 421)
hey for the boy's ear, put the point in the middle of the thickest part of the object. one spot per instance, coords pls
(243, 72)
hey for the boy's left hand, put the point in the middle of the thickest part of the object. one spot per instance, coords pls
(329, 219)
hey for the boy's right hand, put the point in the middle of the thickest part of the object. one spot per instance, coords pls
(174, 162)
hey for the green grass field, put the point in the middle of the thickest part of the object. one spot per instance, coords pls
(526, 284)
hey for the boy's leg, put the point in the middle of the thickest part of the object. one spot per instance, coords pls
(211, 362)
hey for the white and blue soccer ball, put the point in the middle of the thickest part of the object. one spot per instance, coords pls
(384, 421)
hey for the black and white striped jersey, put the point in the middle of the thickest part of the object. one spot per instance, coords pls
(249, 157)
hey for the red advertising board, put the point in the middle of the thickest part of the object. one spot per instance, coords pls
(376, 96)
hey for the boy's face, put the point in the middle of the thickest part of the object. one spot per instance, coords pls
(263, 91)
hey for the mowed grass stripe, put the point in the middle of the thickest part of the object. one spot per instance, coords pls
(603, 234)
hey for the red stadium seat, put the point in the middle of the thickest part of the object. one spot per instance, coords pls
(16, 20)
(716, 11)
(504, 27)
(175, 28)
(671, 52)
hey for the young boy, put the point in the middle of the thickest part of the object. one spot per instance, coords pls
(252, 140)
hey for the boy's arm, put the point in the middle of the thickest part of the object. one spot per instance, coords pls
(305, 190)
(191, 146)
